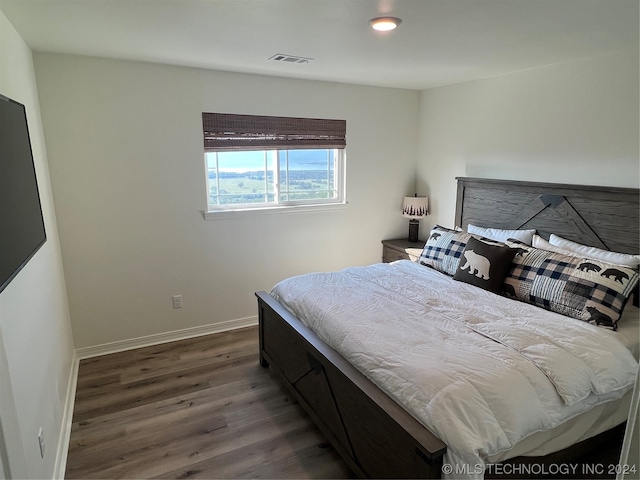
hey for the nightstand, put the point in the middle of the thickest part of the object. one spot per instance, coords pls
(401, 249)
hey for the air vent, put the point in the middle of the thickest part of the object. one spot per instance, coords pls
(279, 57)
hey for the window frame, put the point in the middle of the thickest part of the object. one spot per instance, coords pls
(339, 173)
(229, 132)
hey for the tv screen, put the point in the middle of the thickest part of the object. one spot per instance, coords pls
(21, 224)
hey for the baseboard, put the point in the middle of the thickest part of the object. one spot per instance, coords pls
(67, 421)
(120, 346)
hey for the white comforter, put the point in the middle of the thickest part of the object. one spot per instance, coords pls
(480, 371)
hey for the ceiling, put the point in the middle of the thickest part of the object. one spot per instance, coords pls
(439, 42)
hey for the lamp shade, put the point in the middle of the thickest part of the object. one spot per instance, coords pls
(415, 207)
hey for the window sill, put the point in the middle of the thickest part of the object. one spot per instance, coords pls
(280, 210)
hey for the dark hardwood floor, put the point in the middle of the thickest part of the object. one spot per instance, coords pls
(197, 408)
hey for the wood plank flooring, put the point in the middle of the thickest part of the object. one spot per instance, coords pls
(197, 408)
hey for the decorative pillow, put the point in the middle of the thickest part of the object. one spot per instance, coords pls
(596, 253)
(501, 235)
(579, 287)
(443, 249)
(484, 265)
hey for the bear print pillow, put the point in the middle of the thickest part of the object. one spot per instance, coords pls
(484, 265)
(573, 285)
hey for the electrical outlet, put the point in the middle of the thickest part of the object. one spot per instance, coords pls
(177, 301)
(41, 442)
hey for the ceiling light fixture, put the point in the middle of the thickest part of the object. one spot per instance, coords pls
(384, 24)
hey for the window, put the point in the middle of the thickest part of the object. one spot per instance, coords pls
(257, 162)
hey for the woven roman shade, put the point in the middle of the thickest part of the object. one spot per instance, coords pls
(227, 131)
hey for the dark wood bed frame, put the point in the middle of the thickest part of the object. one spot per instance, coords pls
(376, 436)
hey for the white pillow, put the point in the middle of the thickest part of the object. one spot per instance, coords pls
(501, 235)
(541, 243)
(596, 253)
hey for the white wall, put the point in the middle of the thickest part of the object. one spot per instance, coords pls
(36, 346)
(124, 141)
(570, 123)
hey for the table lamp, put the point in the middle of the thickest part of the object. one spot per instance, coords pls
(414, 208)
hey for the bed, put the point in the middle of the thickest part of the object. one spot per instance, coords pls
(466, 379)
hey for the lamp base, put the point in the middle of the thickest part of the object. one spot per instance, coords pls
(414, 226)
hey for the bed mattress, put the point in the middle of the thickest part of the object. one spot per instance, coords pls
(492, 377)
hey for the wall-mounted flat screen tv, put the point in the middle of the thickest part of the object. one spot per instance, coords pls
(22, 230)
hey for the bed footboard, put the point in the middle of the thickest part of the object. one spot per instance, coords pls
(375, 436)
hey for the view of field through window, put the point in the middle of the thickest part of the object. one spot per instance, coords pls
(250, 177)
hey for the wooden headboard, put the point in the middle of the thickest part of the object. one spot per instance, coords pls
(603, 217)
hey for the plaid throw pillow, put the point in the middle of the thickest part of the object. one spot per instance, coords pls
(444, 249)
(575, 286)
